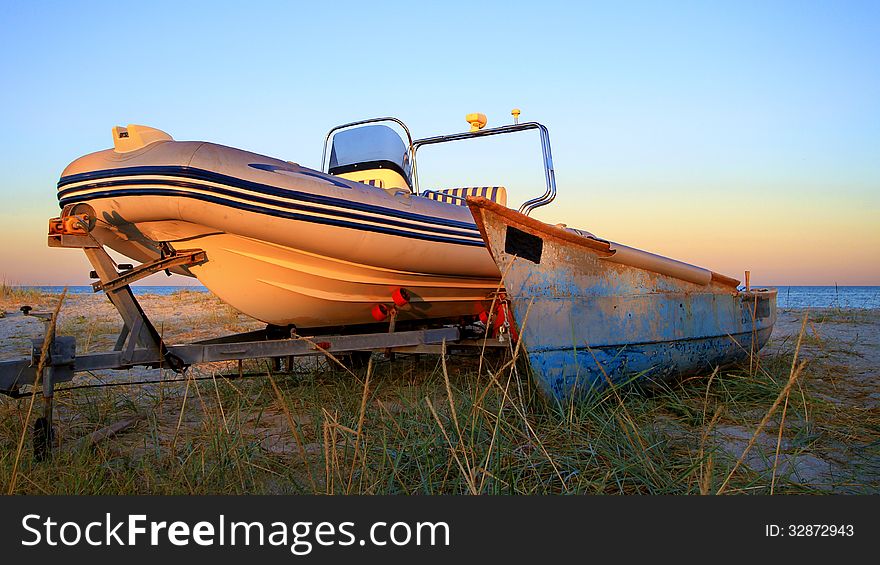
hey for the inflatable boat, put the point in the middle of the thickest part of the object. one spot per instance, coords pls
(290, 245)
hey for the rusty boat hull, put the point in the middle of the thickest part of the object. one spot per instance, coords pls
(591, 312)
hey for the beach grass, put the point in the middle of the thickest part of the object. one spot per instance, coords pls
(12, 294)
(448, 425)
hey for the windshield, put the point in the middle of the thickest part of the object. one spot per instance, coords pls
(369, 147)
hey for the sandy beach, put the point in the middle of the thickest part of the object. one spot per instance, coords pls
(829, 443)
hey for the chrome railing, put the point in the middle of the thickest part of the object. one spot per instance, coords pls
(526, 208)
(549, 173)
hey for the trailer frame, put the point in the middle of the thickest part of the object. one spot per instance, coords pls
(140, 344)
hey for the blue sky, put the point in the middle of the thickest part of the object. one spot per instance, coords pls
(733, 135)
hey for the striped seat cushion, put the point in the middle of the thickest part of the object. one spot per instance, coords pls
(494, 193)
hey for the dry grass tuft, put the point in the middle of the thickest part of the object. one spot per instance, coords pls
(458, 425)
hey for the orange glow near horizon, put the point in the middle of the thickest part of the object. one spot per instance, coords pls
(817, 241)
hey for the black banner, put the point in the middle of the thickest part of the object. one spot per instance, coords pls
(433, 529)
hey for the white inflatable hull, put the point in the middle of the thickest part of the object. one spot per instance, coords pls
(285, 244)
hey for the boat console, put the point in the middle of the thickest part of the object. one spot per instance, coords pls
(373, 154)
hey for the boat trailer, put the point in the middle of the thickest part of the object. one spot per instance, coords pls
(54, 359)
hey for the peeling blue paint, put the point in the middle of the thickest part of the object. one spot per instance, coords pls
(559, 372)
(586, 321)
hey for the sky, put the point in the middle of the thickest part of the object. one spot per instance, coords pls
(735, 135)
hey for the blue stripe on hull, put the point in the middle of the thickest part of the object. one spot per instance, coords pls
(210, 176)
(563, 372)
(127, 187)
(271, 212)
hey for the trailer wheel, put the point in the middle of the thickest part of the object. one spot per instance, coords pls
(358, 360)
(175, 363)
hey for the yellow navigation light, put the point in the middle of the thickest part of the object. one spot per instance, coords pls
(515, 113)
(477, 121)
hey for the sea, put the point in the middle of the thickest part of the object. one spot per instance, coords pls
(866, 297)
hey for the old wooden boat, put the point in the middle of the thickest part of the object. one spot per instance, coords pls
(592, 312)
